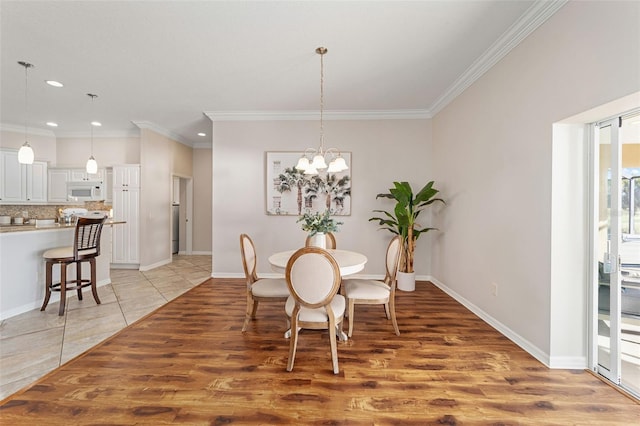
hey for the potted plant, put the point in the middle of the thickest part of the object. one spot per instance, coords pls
(403, 221)
(317, 225)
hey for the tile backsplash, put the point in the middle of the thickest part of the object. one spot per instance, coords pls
(49, 211)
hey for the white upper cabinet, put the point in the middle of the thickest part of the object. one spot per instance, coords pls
(126, 176)
(21, 183)
(81, 175)
(11, 172)
(36, 182)
(58, 179)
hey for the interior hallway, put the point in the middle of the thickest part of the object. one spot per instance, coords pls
(34, 343)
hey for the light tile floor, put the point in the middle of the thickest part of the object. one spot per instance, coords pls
(34, 343)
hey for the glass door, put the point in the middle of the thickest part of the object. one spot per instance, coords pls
(617, 251)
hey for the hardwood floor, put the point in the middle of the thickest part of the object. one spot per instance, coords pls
(188, 362)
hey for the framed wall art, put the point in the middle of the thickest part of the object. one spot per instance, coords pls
(291, 192)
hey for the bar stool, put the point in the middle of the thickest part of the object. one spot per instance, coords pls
(86, 247)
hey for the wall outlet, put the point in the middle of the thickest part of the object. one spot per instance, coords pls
(494, 289)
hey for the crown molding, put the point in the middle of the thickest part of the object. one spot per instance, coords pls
(405, 114)
(111, 134)
(535, 16)
(161, 130)
(30, 131)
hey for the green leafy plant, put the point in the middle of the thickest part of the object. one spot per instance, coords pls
(318, 222)
(403, 219)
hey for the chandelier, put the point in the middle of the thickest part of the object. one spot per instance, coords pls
(25, 154)
(314, 160)
(92, 164)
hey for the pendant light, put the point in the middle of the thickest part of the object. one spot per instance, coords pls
(314, 160)
(92, 164)
(25, 154)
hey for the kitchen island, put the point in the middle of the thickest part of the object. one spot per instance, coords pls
(22, 269)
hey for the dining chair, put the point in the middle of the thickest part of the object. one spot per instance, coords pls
(374, 292)
(85, 248)
(329, 237)
(258, 289)
(313, 278)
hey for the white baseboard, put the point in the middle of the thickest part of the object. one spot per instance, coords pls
(155, 265)
(55, 297)
(529, 347)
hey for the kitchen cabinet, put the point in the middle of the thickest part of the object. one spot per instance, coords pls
(126, 176)
(21, 183)
(58, 179)
(108, 185)
(36, 182)
(11, 188)
(126, 207)
(81, 175)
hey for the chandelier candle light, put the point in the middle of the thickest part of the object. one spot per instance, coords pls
(92, 164)
(25, 154)
(314, 160)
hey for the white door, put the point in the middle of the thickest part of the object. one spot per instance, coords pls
(616, 325)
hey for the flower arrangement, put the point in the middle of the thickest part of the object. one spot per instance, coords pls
(318, 222)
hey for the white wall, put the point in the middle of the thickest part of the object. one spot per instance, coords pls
(382, 151)
(202, 186)
(42, 142)
(74, 152)
(495, 157)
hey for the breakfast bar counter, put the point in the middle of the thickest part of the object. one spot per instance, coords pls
(22, 272)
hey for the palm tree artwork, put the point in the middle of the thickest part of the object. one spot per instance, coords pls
(292, 178)
(291, 192)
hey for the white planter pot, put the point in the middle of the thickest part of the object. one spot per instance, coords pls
(319, 240)
(406, 281)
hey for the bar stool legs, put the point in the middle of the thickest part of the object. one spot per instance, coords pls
(77, 284)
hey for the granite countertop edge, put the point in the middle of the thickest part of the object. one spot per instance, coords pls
(6, 229)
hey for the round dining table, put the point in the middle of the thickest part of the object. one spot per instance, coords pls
(349, 262)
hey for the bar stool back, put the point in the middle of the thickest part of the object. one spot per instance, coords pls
(86, 247)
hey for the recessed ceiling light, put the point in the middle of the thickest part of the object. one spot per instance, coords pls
(52, 124)
(96, 123)
(202, 134)
(54, 83)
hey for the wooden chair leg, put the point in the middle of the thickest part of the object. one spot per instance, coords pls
(294, 338)
(94, 279)
(351, 315)
(47, 284)
(247, 315)
(392, 305)
(334, 347)
(63, 288)
(386, 310)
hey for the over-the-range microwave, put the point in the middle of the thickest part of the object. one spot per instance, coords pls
(85, 191)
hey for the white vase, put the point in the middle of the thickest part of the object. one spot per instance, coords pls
(406, 281)
(319, 240)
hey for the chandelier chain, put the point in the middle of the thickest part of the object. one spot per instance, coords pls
(322, 100)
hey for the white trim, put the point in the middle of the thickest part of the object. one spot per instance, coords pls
(406, 114)
(55, 297)
(155, 265)
(535, 16)
(529, 347)
(161, 130)
(112, 134)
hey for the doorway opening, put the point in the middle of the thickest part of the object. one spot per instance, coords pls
(181, 215)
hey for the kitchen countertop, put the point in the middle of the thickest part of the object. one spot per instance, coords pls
(32, 227)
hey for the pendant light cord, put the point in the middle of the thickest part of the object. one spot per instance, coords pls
(26, 66)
